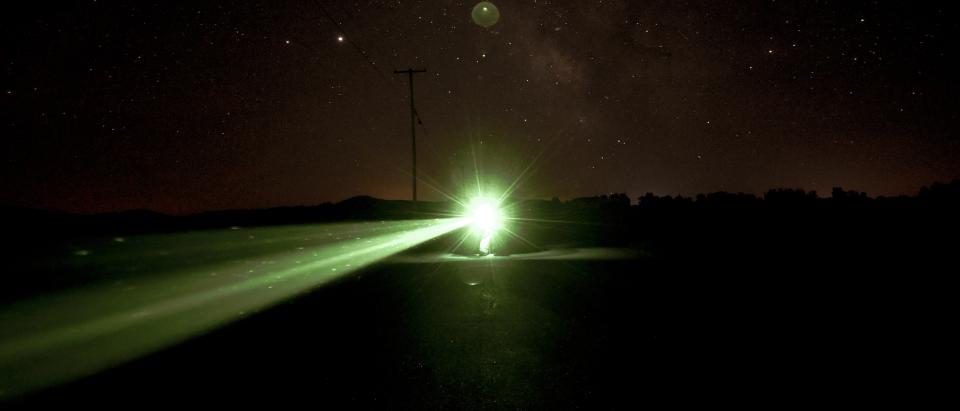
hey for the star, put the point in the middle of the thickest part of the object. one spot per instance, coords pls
(652, 81)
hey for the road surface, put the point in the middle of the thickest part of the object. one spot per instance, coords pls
(577, 328)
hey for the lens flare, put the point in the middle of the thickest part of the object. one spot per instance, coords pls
(485, 215)
(485, 14)
(485, 218)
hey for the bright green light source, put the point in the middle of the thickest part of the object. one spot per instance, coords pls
(485, 218)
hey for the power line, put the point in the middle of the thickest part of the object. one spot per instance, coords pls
(420, 122)
(347, 39)
(414, 115)
(413, 127)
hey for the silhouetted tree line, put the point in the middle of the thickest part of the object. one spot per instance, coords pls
(780, 222)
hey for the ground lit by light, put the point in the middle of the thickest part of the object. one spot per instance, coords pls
(164, 289)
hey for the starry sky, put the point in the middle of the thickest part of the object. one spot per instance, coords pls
(186, 106)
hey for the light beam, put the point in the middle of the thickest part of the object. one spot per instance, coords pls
(194, 282)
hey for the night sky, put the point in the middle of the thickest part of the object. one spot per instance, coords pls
(188, 106)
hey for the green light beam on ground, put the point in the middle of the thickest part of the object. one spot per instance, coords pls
(63, 336)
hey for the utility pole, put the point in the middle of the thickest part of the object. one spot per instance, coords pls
(413, 128)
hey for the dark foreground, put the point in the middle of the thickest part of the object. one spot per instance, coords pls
(515, 333)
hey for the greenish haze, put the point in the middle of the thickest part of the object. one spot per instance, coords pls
(485, 14)
(159, 290)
